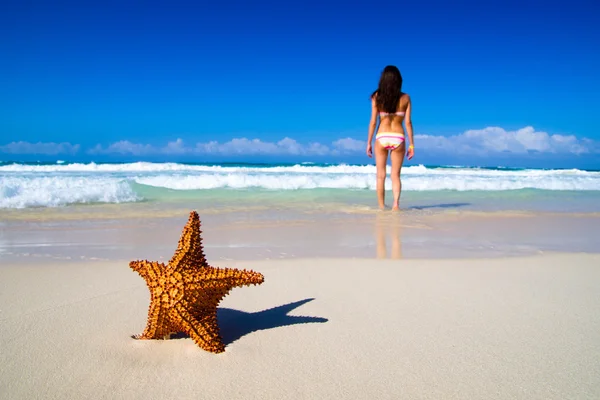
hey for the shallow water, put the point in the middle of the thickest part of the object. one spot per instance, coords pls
(276, 233)
(124, 211)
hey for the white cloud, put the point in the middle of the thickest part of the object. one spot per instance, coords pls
(237, 146)
(477, 142)
(49, 148)
(256, 146)
(124, 147)
(349, 145)
(494, 140)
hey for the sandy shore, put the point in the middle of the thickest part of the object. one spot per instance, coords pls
(296, 235)
(502, 328)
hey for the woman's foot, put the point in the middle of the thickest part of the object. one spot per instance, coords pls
(396, 208)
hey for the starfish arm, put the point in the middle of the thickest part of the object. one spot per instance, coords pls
(223, 278)
(159, 325)
(202, 327)
(150, 271)
(189, 253)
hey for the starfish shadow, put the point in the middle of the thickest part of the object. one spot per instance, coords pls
(234, 324)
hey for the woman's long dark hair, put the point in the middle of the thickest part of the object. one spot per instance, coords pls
(389, 90)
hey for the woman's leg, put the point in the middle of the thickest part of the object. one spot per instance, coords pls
(397, 156)
(381, 155)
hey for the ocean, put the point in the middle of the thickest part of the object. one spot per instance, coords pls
(307, 187)
(72, 211)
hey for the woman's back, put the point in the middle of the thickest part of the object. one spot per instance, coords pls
(392, 121)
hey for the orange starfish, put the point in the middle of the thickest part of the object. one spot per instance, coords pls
(184, 294)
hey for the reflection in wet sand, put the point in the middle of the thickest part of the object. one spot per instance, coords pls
(388, 226)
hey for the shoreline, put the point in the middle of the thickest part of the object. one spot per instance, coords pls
(439, 203)
(239, 262)
(283, 234)
(155, 210)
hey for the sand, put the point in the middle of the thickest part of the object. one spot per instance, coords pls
(501, 328)
(295, 235)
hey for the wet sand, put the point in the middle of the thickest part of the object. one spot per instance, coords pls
(102, 234)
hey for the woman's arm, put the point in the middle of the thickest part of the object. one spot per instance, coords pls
(372, 126)
(409, 129)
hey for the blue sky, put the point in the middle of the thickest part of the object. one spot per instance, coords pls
(497, 81)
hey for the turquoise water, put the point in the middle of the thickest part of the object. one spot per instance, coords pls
(233, 186)
(131, 210)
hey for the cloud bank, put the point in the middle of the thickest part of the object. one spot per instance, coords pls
(494, 140)
(489, 141)
(238, 146)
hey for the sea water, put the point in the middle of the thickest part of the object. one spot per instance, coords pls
(307, 187)
(74, 211)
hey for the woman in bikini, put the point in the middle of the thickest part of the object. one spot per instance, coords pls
(392, 107)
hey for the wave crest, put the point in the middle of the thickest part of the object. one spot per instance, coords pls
(54, 185)
(16, 192)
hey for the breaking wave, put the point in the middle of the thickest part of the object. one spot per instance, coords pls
(51, 185)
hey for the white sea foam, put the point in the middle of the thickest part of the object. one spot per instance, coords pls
(410, 182)
(61, 184)
(22, 192)
(260, 181)
(147, 167)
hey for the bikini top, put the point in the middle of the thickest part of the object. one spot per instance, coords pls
(399, 113)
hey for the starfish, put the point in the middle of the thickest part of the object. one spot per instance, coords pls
(184, 293)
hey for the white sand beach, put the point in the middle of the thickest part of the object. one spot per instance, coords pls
(479, 328)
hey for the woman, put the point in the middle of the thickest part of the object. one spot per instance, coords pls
(393, 107)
